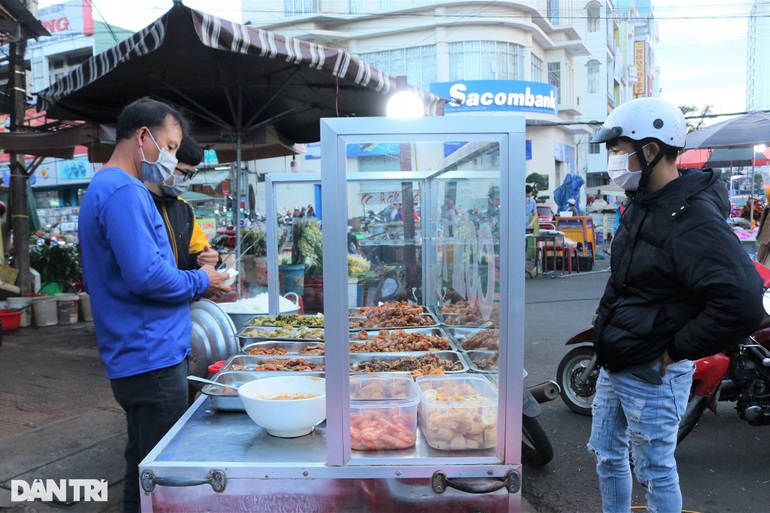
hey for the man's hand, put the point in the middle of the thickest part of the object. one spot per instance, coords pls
(665, 361)
(208, 256)
(217, 280)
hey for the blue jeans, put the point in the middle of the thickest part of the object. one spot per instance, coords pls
(627, 410)
(153, 402)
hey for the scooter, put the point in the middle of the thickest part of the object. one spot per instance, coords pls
(740, 374)
(535, 445)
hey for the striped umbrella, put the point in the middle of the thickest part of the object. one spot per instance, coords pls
(226, 75)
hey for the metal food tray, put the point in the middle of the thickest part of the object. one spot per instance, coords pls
(445, 319)
(251, 361)
(224, 401)
(247, 325)
(459, 334)
(433, 324)
(247, 339)
(292, 347)
(433, 332)
(474, 355)
(453, 356)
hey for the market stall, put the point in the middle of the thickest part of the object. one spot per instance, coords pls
(456, 429)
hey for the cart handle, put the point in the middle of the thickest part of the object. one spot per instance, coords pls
(511, 481)
(215, 477)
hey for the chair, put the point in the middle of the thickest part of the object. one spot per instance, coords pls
(553, 244)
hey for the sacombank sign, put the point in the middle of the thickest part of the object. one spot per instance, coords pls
(497, 96)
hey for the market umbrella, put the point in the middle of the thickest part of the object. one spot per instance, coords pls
(723, 157)
(226, 75)
(742, 131)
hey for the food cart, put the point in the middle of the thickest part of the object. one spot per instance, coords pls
(215, 460)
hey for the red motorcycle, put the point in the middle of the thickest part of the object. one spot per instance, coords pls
(741, 374)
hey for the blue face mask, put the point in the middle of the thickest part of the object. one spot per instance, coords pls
(160, 170)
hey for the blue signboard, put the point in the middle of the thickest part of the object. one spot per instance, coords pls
(497, 96)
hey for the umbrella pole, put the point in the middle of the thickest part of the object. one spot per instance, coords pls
(753, 196)
(237, 209)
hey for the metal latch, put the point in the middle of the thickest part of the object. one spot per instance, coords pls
(511, 482)
(215, 477)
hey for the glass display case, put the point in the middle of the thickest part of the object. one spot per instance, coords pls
(443, 432)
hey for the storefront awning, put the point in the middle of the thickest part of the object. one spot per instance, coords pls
(211, 177)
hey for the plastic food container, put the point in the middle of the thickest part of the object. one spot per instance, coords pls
(458, 412)
(383, 412)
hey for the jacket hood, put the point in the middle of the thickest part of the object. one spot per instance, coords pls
(674, 196)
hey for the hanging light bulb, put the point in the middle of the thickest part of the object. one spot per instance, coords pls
(294, 164)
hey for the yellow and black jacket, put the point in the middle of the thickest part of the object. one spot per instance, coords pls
(184, 233)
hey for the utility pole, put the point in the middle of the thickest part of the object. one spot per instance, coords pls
(19, 210)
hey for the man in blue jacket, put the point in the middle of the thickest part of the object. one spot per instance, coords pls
(681, 288)
(140, 300)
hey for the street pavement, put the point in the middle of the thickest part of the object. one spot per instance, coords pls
(58, 419)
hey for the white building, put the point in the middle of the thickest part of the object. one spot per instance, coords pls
(758, 57)
(621, 36)
(560, 63)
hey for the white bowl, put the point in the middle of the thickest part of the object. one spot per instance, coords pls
(285, 418)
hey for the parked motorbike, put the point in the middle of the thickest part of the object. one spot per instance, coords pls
(535, 445)
(741, 374)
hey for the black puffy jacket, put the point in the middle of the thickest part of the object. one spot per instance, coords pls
(680, 280)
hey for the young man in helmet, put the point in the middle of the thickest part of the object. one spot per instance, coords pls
(681, 288)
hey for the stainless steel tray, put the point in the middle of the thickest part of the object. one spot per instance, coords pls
(292, 347)
(452, 356)
(458, 335)
(315, 321)
(430, 322)
(450, 319)
(229, 400)
(474, 356)
(252, 361)
(275, 333)
(432, 332)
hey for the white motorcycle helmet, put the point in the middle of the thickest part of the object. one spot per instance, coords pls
(645, 118)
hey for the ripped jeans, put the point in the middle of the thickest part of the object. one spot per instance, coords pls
(628, 409)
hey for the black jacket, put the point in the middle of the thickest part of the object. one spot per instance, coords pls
(179, 218)
(680, 280)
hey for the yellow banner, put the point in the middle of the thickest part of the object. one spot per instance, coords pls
(640, 61)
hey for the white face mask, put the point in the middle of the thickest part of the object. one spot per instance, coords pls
(617, 167)
(160, 170)
(178, 186)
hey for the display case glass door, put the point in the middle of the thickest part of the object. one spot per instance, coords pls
(437, 210)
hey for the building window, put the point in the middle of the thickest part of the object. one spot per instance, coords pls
(593, 76)
(593, 12)
(486, 60)
(554, 74)
(417, 63)
(297, 7)
(537, 68)
(594, 148)
(60, 65)
(355, 6)
(552, 11)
